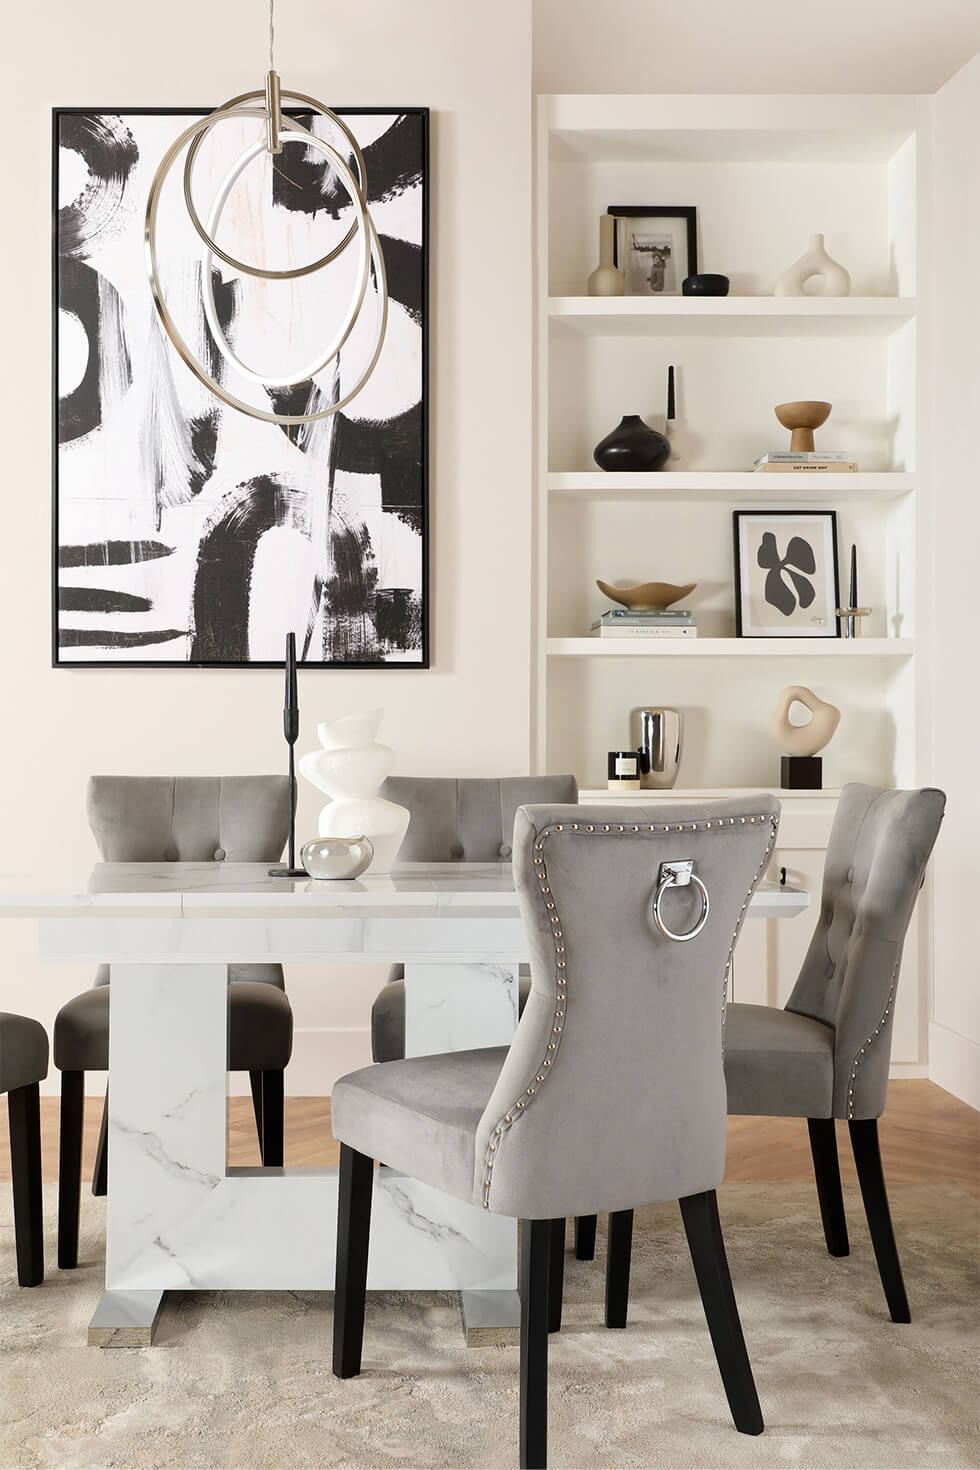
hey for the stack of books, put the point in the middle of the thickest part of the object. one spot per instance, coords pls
(788, 461)
(669, 623)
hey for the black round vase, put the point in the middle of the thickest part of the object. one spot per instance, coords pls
(632, 445)
(706, 284)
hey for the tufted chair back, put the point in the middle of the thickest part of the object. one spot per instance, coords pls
(469, 820)
(189, 819)
(613, 1090)
(876, 860)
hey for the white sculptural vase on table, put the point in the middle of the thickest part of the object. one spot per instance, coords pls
(350, 770)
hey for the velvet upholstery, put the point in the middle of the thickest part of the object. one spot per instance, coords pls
(466, 820)
(188, 819)
(23, 1052)
(777, 1063)
(260, 1030)
(619, 1050)
(879, 846)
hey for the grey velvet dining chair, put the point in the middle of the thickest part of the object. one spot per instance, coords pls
(23, 1065)
(612, 1093)
(465, 820)
(825, 1057)
(161, 819)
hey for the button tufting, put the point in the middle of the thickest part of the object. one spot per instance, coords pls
(850, 875)
(505, 849)
(456, 851)
(219, 854)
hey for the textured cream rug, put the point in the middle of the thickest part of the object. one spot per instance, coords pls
(243, 1380)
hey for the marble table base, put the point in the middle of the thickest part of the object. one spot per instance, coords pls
(178, 1218)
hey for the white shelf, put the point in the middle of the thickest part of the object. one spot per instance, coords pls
(730, 647)
(747, 316)
(709, 485)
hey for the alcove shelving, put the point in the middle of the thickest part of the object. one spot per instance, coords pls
(764, 173)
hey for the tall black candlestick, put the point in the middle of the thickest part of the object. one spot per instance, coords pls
(290, 728)
(854, 577)
(671, 401)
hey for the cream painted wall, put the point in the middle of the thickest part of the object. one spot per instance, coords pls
(470, 712)
(954, 1031)
(753, 46)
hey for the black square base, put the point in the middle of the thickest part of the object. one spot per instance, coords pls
(801, 772)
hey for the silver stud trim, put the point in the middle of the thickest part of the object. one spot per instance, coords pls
(561, 979)
(859, 1054)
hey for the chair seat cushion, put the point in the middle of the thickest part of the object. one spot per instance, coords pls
(260, 1029)
(778, 1064)
(420, 1114)
(23, 1052)
(388, 1014)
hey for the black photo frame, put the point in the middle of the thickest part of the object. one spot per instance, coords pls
(387, 618)
(687, 213)
(772, 583)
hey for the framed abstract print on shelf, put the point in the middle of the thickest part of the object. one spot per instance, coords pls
(656, 246)
(186, 532)
(786, 581)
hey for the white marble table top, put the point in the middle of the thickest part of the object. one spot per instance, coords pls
(226, 890)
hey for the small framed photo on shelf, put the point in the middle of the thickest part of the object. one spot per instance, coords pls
(786, 583)
(656, 246)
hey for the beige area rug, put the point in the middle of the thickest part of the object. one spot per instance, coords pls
(243, 1380)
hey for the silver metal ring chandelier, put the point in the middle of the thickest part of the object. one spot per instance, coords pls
(279, 131)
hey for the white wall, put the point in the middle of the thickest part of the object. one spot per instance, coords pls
(954, 1031)
(470, 712)
(753, 46)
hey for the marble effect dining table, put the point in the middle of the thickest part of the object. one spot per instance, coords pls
(178, 1216)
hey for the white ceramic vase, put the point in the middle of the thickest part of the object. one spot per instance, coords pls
(815, 270)
(350, 769)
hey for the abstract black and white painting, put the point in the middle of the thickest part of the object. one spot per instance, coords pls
(786, 581)
(187, 532)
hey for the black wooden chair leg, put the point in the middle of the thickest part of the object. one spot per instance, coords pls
(585, 1237)
(867, 1157)
(707, 1246)
(826, 1168)
(273, 1125)
(618, 1253)
(556, 1274)
(255, 1083)
(100, 1174)
(70, 1167)
(24, 1112)
(536, 1243)
(350, 1287)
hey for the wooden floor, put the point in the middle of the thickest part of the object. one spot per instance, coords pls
(927, 1136)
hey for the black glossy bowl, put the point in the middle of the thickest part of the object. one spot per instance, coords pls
(706, 285)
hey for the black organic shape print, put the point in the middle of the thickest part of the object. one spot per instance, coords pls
(780, 593)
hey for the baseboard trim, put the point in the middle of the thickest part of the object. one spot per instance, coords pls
(954, 1064)
(907, 1071)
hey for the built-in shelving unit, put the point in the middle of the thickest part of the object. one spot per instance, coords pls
(764, 173)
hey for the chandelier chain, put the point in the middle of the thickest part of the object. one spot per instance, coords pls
(272, 35)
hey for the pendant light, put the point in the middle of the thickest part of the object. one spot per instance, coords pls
(280, 131)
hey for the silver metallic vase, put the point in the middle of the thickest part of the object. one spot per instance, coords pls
(337, 858)
(656, 734)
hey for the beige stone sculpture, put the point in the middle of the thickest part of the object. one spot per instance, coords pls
(805, 739)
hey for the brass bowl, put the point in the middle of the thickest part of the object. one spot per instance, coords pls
(646, 596)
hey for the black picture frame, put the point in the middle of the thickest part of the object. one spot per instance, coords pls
(833, 627)
(687, 212)
(425, 660)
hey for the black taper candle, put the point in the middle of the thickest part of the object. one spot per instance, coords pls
(671, 402)
(854, 576)
(290, 728)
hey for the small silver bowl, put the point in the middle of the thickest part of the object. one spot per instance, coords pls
(334, 858)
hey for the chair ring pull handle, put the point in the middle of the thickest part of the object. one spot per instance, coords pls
(680, 875)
